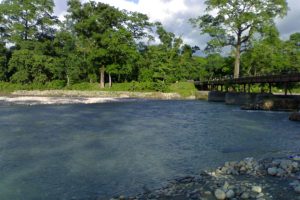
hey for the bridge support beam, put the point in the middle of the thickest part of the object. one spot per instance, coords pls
(270, 88)
(285, 88)
(249, 88)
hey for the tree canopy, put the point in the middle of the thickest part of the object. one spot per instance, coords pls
(100, 43)
(237, 22)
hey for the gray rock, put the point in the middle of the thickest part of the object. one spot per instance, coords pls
(280, 172)
(260, 195)
(256, 189)
(295, 183)
(220, 194)
(287, 165)
(297, 189)
(230, 194)
(295, 165)
(272, 171)
(225, 186)
(245, 195)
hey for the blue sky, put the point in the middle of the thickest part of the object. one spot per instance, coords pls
(135, 1)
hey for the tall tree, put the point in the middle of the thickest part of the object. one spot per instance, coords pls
(236, 22)
(3, 61)
(91, 20)
(107, 35)
(270, 55)
(26, 19)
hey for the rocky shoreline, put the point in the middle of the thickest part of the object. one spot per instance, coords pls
(99, 94)
(271, 178)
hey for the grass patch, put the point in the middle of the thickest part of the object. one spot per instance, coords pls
(185, 89)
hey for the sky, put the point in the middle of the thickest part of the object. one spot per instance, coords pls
(174, 15)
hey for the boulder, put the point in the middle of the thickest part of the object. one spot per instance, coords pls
(295, 116)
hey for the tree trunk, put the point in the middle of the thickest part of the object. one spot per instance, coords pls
(68, 80)
(102, 81)
(109, 77)
(237, 57)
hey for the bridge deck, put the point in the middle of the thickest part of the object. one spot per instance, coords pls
(283, 78)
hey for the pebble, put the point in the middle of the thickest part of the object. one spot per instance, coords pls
(230, 194)
(225, 186)
(260, 195)
(220, 186)
(280, 172)
(245, 195)
(286, 165)
(220, 194)
(256, 189)
(272, 171)
(297, 189)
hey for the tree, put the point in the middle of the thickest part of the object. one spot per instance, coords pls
(91, 20)
(27, 19)
(293, 48)
(271, 55)
(107, 35)
(217, 65)
(121, 53)
(3, 61)
(236, 22)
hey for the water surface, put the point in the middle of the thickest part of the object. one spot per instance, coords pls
(100, 150)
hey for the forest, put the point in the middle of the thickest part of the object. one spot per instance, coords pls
(99, 44)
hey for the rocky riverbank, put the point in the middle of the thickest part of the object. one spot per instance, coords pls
(272, 178)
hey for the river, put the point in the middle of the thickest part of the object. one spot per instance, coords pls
(101, 150)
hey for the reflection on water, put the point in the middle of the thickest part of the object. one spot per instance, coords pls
(99, 150)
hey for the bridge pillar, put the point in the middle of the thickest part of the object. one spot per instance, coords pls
(285, 88)
(270, 88)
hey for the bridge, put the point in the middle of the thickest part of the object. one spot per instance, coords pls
(217, 84)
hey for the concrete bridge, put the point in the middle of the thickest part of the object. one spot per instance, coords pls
(222, 84)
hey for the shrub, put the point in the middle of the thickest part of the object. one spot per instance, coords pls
(56, 84)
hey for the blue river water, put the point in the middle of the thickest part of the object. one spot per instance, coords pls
(101, 150)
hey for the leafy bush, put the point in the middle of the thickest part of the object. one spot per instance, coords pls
(56, 84)
(84, 86)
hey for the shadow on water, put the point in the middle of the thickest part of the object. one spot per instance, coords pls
(100, 150)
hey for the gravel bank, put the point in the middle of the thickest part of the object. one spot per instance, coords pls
(273, 178)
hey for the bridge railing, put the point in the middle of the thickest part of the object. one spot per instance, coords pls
(270, 78)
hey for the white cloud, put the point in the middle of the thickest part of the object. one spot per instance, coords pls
(174, 15)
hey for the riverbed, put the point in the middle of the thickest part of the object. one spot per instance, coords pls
(76, 151)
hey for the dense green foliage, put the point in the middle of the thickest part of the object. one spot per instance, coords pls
(237, 22)
(97, 43)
